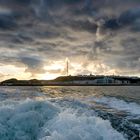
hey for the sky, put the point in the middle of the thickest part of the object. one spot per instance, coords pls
(97, 36)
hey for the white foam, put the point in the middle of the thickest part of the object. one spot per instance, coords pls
(70, 126)
(118, 104)
(42, 120)
(24, 120)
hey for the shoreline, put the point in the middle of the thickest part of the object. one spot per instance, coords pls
(72, 85)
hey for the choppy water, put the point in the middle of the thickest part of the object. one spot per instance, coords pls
(69, 113)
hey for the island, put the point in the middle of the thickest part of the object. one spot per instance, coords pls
(80, 80)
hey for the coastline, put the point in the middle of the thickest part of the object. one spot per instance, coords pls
(73, 85)
(86, 80)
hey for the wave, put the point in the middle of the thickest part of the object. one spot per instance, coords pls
(118, 104)
(45, 120)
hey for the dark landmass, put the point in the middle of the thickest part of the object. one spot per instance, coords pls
(81, 80)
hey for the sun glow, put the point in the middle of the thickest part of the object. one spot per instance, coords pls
(55, 69)
(48, 76)
(12, 71)
(57, 65)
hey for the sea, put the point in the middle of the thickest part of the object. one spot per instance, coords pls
(70, 113)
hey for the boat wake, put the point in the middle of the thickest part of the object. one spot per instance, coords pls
(52, 120)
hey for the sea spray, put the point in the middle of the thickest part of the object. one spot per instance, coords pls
(44, 120)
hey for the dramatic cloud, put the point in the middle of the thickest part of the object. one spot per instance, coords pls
(98, 36)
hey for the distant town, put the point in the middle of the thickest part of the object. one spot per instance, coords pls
(80, 80)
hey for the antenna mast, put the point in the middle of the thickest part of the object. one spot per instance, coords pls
(67, 67)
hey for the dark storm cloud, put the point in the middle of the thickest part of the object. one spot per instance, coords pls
(15, 1)
(31, 61)
(82, 25)
(7, 19)
(34, 64)
(38, 30)
(22, 38)
(131, 46)
(112, 23)
(130, 16)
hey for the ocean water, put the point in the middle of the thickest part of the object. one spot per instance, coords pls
(70, 113)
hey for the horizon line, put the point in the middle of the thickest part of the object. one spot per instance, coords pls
(73, 76)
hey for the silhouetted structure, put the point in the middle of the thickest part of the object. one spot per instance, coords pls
(67, 67)
(81, 80)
